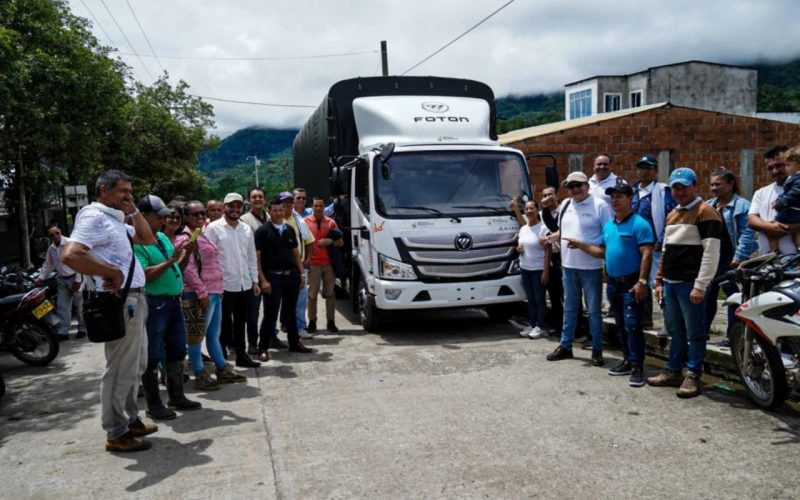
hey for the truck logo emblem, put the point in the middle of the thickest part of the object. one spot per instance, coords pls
(463, 242)
(435, 107)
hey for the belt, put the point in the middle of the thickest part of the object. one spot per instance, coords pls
(139, 289)
(283, 273)
(164, 297)
(625, 279)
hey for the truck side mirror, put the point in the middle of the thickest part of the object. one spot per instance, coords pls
(339, 180)
(386, 151)
(551, 177)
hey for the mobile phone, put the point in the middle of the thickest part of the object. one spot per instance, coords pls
(195, 234)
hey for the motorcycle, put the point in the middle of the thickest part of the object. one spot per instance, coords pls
(27, 327)
(767, 316)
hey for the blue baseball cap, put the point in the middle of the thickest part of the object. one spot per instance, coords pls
(685, 176)
(647, 160)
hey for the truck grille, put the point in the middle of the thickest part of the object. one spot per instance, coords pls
(462, 257)
(448, 241)
(463, 271)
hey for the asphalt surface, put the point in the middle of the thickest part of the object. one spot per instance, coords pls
(441, 405)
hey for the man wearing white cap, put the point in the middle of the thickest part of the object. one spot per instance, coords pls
(581, 217)
(237, 260)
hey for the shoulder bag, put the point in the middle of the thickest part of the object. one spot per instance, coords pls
(104, 313)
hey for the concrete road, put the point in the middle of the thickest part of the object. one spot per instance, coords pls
(441, 405)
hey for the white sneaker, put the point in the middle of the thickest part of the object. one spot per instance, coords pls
(537, 333)
(789, 361)
(525, 332)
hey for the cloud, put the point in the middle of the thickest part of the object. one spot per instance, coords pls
(527, 48)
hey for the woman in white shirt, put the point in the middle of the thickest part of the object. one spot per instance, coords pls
(534, 261)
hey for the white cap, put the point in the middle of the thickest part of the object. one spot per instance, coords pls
(231, 197)
(575, 177)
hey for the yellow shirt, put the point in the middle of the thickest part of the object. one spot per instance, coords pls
(292, 222)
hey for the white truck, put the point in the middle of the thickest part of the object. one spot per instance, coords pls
(422, 190)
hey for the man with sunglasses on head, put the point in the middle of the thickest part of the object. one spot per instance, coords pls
(69, 284)
(652, 200)
(581, 218)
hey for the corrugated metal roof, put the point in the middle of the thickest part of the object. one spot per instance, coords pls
(549, 128)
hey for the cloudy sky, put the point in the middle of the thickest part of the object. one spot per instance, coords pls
(531, 46)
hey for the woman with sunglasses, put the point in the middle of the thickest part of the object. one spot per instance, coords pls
(534, 262)
(174, 223)
(203, 281)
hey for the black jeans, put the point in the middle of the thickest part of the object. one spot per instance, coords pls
(235, 310)
(285, 290)
(252, 319)
(555, 288)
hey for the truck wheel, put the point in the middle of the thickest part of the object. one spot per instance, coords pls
(369, 314)
(500, 313)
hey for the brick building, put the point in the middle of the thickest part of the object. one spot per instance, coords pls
(678, 136)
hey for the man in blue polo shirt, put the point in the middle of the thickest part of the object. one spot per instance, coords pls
(627, 246)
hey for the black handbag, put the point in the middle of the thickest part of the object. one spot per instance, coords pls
(104, 313)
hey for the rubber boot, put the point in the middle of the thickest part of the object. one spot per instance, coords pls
(155, 408)
(177, 400)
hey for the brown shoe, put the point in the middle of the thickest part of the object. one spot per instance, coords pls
(667, 378)
(127, 443)
(228, 376)
(140, 428)
(690, 387)
(203, 381)
(276, 343)
(263, 356)
(300, 348)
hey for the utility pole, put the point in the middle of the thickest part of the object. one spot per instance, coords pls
(23, 215)
(257, 162)
(384, 58)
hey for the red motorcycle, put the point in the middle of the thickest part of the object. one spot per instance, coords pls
(27, 327)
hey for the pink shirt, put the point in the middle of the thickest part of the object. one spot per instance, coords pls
(211, 279)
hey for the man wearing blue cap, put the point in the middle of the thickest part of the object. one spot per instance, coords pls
(689, 260)
(652, 200)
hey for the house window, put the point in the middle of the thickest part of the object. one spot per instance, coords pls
(636, 99)
(613, 102)
(580, 104)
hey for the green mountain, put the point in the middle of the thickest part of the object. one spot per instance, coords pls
(252, 141)
(779, 86)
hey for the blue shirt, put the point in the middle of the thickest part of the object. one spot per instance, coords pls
(622, 241)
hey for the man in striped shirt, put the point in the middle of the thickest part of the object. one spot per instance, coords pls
(688, 262)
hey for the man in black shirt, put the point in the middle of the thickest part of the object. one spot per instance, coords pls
(280, 272)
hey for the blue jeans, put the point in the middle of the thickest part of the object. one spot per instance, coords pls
(590, 281)
(628, 316)
(213, 317)
(535, 292)
(166, 332)
(302, 303)
(654, 267)
(712, 292)
(685, 323)
(66, 300)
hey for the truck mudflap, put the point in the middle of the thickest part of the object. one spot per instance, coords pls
(398, 295)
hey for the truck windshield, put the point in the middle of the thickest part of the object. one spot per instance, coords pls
(450, 182)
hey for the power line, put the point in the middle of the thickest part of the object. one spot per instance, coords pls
(126, 39)
(145, 35)
(459, 36)
(106, 34)
(283, 58)
(253, 103)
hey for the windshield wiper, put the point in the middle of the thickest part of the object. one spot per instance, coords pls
(497, 210)
(428, 209)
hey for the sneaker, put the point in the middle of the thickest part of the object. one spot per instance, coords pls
(312, 326)
(139, 428)
(203, 381)
(525, 332)
(726, 343)
(667, 378)
(331, 327)
(789, 361)
(689, 387)
(637, 377)
(597, 357)
(623, 368)
(537, 333)
(127, 443)
(305, 336)
(228, 376)
(560, 353)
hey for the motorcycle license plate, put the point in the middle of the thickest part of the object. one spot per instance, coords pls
(44, 308)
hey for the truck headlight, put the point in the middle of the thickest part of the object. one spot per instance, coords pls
(514, 267)
(395, 270)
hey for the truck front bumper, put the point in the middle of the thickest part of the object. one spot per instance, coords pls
(418, 295)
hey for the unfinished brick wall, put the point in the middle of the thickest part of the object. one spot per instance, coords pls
(698, 139)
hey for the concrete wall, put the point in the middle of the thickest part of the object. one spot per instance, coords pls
(613, 85)
(705, 86)
(681, 137)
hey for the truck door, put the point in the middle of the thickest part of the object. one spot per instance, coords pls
(360, 218)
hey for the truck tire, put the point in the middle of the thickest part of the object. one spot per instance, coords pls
(370, 316)
(500, 313)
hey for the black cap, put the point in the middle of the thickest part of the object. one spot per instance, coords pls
(152, 203)
(620, 187)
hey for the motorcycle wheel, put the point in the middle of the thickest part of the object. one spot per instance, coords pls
(34, 343)
(765, 378)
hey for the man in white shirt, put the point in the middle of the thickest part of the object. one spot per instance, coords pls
(603, 178)
(69, 284)
(761, 216)
(582, 218)
(101, 247)
(237, 261)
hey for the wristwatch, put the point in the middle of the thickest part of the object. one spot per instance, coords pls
(643, 282)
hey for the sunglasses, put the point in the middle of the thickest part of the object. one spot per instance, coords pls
(300, 198)
(200, 213)
(174, 217)
(576, 185)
